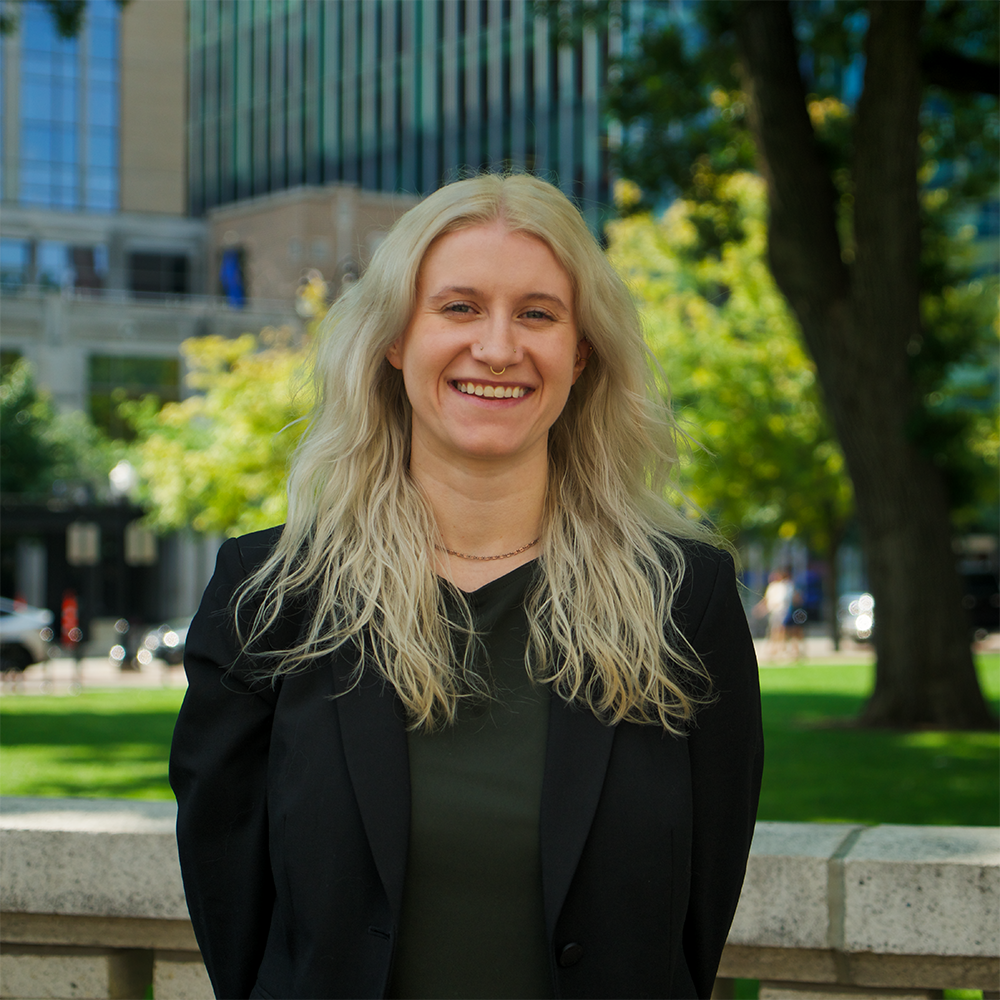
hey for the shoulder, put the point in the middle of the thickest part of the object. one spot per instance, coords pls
(708, 577)
(238, 558)
(250, 550)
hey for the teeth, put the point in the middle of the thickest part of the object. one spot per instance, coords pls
(490, 391)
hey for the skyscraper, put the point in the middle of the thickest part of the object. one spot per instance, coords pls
(392, 95)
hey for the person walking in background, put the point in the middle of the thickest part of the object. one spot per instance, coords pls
(482, 719)
(777, 605)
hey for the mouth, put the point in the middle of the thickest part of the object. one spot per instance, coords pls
(490, 391)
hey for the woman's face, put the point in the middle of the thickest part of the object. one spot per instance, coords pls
(487, 299)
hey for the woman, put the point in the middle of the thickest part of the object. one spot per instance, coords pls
(482, 718)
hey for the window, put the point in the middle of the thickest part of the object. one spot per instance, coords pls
(69, 104)
(112, 380)
(49, 112)
(100, 188)
(15, 260)
(156, 274)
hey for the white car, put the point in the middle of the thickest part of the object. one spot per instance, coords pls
(25, 634)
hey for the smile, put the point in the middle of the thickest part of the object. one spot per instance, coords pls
(491, 391)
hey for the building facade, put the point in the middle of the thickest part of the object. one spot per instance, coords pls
(102, 276)
(393, 96)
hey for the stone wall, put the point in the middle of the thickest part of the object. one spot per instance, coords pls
(91, 906)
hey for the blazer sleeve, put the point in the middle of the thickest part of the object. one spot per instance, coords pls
(726, 751)
(218, 770)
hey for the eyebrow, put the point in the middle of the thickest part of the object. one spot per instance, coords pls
(475, 292)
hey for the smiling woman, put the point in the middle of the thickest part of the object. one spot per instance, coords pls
(488, 359)
(482, 719)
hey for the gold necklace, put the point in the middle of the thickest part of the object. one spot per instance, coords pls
(506, 555)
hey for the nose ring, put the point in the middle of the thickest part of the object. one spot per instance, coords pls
(495, 372)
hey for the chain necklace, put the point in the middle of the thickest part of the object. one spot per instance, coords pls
(506, 555)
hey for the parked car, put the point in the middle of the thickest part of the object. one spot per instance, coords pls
(856, 614)
(25, 634)
(165, 642)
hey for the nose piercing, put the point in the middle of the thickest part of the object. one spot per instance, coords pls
(495, 372)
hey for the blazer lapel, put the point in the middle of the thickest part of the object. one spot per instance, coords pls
(576, 759)
(374, 736)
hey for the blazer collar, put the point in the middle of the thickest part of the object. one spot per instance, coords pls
(374, 736)
(576, 760)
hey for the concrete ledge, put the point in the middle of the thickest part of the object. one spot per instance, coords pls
(180, 975)
(107, 932)
(923, 889)
(93, 888)
(95, 857)
(826, 966)
(785, 901)
(70, 973)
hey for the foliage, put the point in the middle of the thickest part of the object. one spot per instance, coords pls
(67, 16)
(746, 393)
(679, 95)
(42, 450)
(217, 460)
(977, 393)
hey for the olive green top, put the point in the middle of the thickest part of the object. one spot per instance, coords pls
(472, 923)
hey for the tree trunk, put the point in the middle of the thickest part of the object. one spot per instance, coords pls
(832, 583)
(860, 323)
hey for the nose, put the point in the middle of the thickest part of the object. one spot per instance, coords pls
(497, 345)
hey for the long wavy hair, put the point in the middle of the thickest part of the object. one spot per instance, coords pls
(358, 544)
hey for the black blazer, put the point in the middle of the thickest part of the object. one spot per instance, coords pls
(293, 815)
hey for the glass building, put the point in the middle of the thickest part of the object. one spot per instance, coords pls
(67, 97)
(391, 95)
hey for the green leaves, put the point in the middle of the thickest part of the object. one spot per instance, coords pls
(217, 461)
(764, 460)
(40, 448)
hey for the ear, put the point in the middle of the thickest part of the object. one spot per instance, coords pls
(583, 351)
(394, 355)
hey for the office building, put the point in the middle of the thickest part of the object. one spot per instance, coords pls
(392, 96)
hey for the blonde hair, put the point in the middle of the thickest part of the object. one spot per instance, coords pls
(359, 538)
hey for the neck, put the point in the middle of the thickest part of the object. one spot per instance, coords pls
(483, 509)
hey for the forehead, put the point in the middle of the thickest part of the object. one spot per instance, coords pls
(492, 253)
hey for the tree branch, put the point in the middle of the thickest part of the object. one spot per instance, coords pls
(804, 246)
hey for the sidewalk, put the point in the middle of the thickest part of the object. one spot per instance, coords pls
(817, 649)
(63, 675)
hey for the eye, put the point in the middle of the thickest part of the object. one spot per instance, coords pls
(536, 313)
(459, 308)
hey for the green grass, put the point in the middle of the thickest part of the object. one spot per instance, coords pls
(818, 768)
(97, 744)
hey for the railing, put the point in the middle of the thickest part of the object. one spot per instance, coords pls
(92, 906)
(119, 296)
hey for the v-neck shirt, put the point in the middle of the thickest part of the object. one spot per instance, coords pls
(472, 923)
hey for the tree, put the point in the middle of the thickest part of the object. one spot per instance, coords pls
(765, 462)
(67, 16)
(41, 449)
(217, 460)
(844, 246)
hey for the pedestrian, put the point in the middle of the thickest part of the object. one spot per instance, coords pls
(482, 719)
(776, 604)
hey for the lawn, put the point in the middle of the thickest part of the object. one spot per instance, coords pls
(818, 767)
(98, 744)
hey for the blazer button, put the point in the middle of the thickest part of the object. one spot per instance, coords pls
(570, 955)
